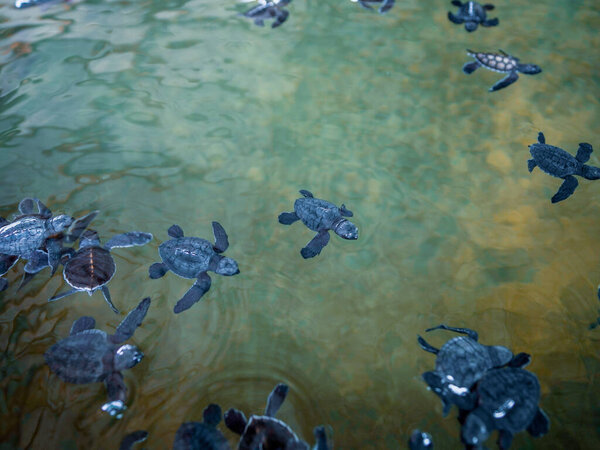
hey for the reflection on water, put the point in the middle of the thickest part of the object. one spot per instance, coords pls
(184, 112)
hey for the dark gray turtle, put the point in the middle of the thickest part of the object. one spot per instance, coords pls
(202, 435)
(501, 62)
(508, 400)
(460, 363)
(420, 440)
(472, 14)
(192, 257)
(385, 5)
(92, 266)
(269, 10)
(89, 355)
(558, 163)
(320, 216)
(133, 438)
(268, 433)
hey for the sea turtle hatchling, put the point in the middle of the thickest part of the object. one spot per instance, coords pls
(472, 14)
(89, 355)
(500, 62)
(508, 400)
(460, 363)
(202, 435)
(192, 257)
(320, 216)
(268, 433)
(558, 163)
(385, 5)
(92, 266)
(269, 10)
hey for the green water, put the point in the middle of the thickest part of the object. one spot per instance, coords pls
(181, 112)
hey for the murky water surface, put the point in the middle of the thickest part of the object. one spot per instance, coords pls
(184, 112)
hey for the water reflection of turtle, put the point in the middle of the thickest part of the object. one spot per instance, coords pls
(89, 355)
(472, 14)
(558, 163)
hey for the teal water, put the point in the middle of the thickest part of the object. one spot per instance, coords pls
(183, 112)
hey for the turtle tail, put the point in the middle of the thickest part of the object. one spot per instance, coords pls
(590, 172)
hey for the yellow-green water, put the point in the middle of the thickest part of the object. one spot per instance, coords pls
(181, 112)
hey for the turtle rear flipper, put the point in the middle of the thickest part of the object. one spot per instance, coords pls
(221, 240)
(235, 420)
(470, 67)
(488, 6)
(583, 152)
(345, 212)
(157, 270)
(520, 360)
(38, 260)
(540, 424)
(276, 399)
(314, 247)
(131, 322)
(566, 189)
(287, 218)
(541, 138)
(194, 294)
(531, 164)
(506, 81)
(386, 6)
(129, 239)
(82, 324)
(454, 19)
(133, 438)
(282, 16)
(490, 22)
(304, 192)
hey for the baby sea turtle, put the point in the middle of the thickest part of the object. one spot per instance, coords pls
(320, 216)
(558, 163)
(92, 266)
(202, 435)
(269, 10)
(89, 355)
(133, 438)
(420, 440)
(501, 62)
(507, 401)
(472, 14)
(385, 5)
(460, 363)
(192, 257)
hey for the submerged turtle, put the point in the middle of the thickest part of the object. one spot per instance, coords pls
(507, 401)
(501, 62)
(132, 438)
(269, 10)
(558, 163)
(192, 257)
(420, 440)
(386, 5)
(202, 435)
(460, 363)
(472, 14)
(89, 355)
(320, 216)
(268, 433)
(92, 266)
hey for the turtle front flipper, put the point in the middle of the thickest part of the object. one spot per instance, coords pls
(454, 19)
(287, 218)
(345, 212)
(540, 424)
(106, 294)
(583, 152)
(64, 294)
(490, 22)
(488, 6)
(566, 189)
(221, 240)
(457, 3)
(133, 438)
(386, 6)
(520, 360)
(470, 67)
(364, 4)
(82, 324)
(194, 294)
(79, 226)
(304, 192)
(531, 164)
(55, 251)
(276, 399)
(131, 322)
(117, 395)
(157, 270)
(541, 138)
(426, 346)
(321, 438)
(235, 420)
(314, 247)
(212, 415)
(471, 333)
(282, 15)
(506, 81)
(26, 206)
(44, 210)
(38, 260)
(129, 239)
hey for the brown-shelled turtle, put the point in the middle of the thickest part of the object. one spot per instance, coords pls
(460, 363)
(202, 435)
(89, 355)
(384, 5)
(500, 62)
(92, 266)
(508, 400)
(320, 216)
(265, 432)
(192, 257)
(557, 162)
(133, 438)
(419, 440)
(472, 14)
(271, 9)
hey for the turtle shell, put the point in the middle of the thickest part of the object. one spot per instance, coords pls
(462, 361)
(554, 160)
(316, 214)
(84, 357)
(89, 268)
(22, 236)
(187, 256)
(267, 433)
(510, 396)
(496, 62)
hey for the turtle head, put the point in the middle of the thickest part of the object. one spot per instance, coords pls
(127, 356)
(89, 238)
(59, 223)
(470, 26)
(477, 428)
(345, 229)
(529, 69)
(227, 266)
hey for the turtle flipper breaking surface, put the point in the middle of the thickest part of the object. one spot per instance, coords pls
(194, 294)
(566, 189)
